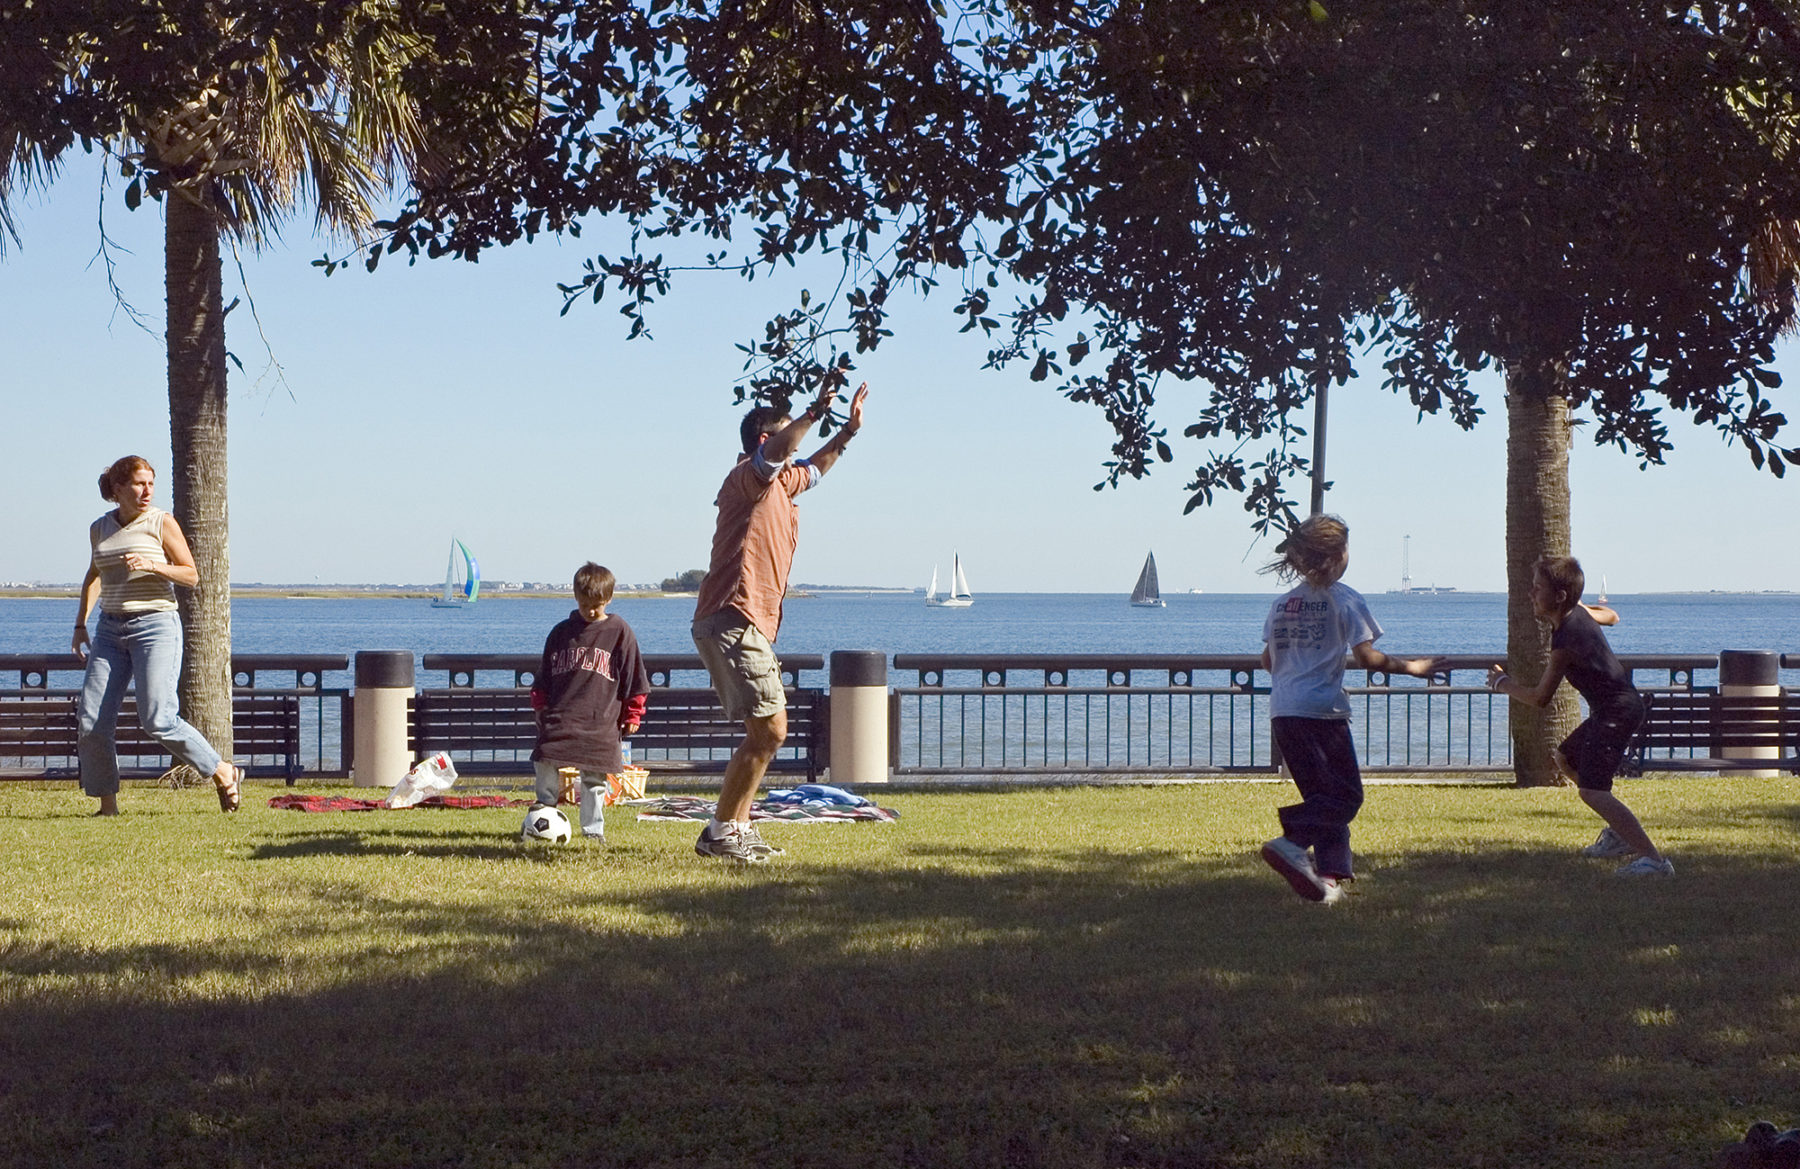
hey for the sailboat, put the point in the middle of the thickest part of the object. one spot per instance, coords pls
(959, 597)
(463, 591)
(1602, 597)
(1147, 595)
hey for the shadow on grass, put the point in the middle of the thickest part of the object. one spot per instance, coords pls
(386, 842)
(1777, 815)
(969, 1007)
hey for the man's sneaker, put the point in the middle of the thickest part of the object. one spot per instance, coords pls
(1291, 861)
(754, 839)
(1334, 892)
(731, 846)
(1608, 844)
(1645, 867)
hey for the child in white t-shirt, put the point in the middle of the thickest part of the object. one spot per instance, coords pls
(1306, 637)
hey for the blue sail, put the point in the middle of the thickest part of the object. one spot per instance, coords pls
(464, 592)
(472, 581)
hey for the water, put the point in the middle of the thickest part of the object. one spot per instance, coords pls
(1224, 623)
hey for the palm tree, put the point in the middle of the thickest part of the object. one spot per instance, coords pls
(236, 160)
(1537, 525)
(234, 146)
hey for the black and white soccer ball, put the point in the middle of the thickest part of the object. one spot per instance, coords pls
(543, 823)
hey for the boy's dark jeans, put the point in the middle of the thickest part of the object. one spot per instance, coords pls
(1321, 756)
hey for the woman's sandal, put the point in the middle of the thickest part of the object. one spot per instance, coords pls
(228, 792)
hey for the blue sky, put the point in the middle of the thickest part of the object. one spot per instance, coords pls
(451, 398)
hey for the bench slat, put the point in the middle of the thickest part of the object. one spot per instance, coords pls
(466, 721)
(1694, 730)
(43, 726)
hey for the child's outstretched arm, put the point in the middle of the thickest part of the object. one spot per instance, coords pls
(1369, 658)
(1501, 683)
(1601, 614)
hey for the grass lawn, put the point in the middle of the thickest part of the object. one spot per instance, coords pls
(1076, 977)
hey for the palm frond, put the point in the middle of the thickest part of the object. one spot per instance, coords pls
(1773, 270)
(23, 166)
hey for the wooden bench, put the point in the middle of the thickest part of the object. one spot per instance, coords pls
(683, 730)
(1692, 730)
(41, 724)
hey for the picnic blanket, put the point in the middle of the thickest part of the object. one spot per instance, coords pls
(796, 812)
(300, 803)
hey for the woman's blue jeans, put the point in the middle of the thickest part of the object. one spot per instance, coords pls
(147, 647)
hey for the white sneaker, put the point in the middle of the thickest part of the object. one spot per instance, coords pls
(731, 846)
(755, 840)
(1334, 891)
(1293, 863)
(1643, 866)
(1608, 844)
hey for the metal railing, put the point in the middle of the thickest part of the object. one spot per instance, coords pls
(979, 714)
(1170, 714)
(323, 713)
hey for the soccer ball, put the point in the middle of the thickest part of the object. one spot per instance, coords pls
(543, 823)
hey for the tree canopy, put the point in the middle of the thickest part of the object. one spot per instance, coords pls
(1244, 192)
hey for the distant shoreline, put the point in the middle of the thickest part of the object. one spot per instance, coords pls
(359, 593)
(367, 592)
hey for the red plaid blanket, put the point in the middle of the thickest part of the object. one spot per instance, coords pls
(298, 803)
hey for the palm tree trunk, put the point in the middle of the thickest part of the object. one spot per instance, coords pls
(1537, 525)
(196, 339)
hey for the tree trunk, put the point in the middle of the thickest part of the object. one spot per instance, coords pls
(193, 281)
(1537, 525)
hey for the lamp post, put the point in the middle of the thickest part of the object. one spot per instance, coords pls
(1318, 459)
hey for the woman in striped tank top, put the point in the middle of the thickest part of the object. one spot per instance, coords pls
(139, 556)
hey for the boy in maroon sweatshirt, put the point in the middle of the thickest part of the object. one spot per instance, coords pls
(589, 695)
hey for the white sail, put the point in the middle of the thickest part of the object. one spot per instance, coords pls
(449, 596)
(959, 596)
(1147, 594)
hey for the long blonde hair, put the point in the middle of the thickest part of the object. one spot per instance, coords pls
(1312, 551)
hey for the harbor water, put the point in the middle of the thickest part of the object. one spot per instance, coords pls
(1023, 623)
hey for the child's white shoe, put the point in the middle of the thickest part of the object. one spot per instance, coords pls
(1293, 863)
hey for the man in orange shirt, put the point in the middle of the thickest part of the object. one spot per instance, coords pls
(738, 614)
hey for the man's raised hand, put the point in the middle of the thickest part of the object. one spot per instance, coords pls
(856, 408)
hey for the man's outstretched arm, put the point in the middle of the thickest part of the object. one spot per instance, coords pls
(780, 446)
(825, 456)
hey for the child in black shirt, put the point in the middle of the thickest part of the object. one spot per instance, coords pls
(1592, 754)
(589, 694)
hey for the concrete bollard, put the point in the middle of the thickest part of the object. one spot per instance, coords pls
(859, 716)
(380, 751)
(1753, 673)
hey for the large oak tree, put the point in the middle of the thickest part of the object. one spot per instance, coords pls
(1246, 193)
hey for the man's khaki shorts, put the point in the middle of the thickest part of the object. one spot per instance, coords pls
(745, 673)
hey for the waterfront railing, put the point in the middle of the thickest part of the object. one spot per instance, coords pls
(982, 715)
(987, 714)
